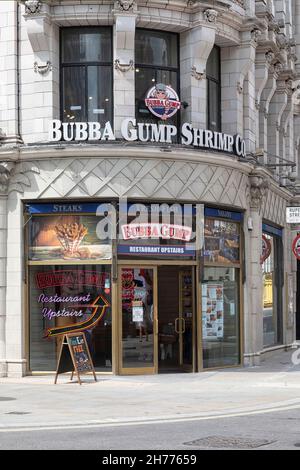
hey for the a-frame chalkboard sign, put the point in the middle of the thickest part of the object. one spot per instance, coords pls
(75, 356)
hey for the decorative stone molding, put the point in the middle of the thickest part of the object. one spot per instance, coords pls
(125, 5)
(32, 7)
(210, 15)
(124, 67)
(270, 56)
(255, 35)
(19, 177)
(198, 75)
(5, 175)
(42, 69)
(274, 26)
(142, 177)
(258, 190)
(239, 88)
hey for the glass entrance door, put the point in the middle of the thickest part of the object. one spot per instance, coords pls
(138, 300)
(176, 311)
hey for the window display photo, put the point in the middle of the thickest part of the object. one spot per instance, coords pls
(222, 241)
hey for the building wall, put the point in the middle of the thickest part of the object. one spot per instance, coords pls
(259, 41)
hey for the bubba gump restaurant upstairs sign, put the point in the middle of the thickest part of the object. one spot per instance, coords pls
(163, 102)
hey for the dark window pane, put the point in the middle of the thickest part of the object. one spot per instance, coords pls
(156, 48)
(86, 45)
(73, 89)
(99, 83)
(213, 64)
(146, 78)
(213, 105)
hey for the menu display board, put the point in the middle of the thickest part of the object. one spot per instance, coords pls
(222, 241)
(213, 310)
(75, 356)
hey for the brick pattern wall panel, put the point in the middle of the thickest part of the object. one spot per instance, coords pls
(274, 208)
(132, 178)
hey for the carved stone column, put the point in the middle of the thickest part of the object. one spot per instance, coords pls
(5, 173)
(196, 45)
(125, 14)
(254, 313)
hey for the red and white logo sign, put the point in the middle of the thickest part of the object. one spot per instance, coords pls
(163, 231)
(296, 247)
(266, 249)
(162, 101)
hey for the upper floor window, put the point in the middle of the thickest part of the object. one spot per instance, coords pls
(213, 90)
(156, 59)
(86, 74)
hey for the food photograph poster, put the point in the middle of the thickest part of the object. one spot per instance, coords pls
(66, 237)
(222, 240)
(213, 310)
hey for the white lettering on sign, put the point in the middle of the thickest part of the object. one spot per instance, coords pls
(132, 131)
(164, 231)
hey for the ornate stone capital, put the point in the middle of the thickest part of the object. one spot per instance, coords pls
(270, 56)
(255, 35)
(210, 15)
(258, 189)
(125, 5)
(5, 175)
(32, 7)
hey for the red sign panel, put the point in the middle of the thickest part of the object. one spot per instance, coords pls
(296, 247)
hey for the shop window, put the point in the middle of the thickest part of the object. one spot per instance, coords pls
(213, 90)
(86, 74)
(272, 265)
(60, 299)
(220, 292)
(69, 254)
(156, 59)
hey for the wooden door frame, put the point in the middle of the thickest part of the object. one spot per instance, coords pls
(141, 370)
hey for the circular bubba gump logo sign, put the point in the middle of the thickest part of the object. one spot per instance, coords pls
(162, 101)
(266, 249)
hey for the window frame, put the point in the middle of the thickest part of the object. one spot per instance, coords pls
(63, 65)
(210, 79)
(162, 68)
(279, 281)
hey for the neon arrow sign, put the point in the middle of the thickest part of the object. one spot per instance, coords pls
(99, 307)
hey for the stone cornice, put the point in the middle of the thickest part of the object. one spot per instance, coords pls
(34, 153)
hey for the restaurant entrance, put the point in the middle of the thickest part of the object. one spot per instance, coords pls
(157, 330)
(176, 307)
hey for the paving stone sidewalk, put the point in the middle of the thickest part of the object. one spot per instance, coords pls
(35, 401)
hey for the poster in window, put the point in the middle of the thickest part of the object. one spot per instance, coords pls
(222, 241)
(213, 311)
(66, 237)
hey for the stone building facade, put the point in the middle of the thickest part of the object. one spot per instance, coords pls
(255, 94)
